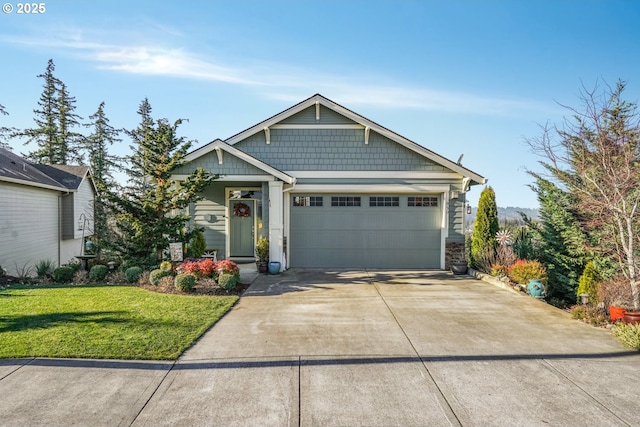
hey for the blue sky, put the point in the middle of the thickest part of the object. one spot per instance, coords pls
(458, 77)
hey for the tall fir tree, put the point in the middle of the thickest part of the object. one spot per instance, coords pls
(150, 211)
(561, 245)
(486, 225)
(55, 119)
(69, 141)
(102, 165)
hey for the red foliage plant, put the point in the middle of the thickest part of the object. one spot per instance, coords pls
(200, 268)
(227, 266)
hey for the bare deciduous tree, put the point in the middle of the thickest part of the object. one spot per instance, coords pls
(595, 156)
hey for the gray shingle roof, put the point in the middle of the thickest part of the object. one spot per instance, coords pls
(16, 169)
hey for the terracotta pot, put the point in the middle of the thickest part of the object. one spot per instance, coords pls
(615, 313)
(631, 317)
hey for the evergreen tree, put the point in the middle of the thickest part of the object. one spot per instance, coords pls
(561, 245)
(150, 210)
(102, 164)
(485, 227)
(5, 132)
(68, 141)
(55, 120)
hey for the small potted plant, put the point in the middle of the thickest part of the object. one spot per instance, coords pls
(262, 255)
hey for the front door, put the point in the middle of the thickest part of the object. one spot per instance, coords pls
(242, 228)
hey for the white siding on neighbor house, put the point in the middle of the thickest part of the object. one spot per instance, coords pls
(69, 249)
(28, 226)
(83, 204)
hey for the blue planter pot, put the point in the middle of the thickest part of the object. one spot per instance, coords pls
(274, 267)
(535, 288)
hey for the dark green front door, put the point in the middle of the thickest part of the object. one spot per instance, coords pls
(242, 240)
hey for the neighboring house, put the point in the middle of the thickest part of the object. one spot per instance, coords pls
(44, 212)
(331, 189)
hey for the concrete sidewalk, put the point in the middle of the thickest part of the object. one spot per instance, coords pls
(352, 348)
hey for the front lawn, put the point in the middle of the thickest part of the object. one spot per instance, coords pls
(103, 321)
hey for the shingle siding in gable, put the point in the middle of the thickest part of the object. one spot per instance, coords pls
(231, 165)
(308, 117)
(333, 149)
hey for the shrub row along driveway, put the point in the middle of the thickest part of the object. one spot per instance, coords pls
(354, 348)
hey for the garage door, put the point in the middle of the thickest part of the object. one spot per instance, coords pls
(365, 231)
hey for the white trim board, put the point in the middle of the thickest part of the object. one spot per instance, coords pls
(370, 188)
(375, 174)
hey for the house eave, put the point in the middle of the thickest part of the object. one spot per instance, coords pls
(36, 184)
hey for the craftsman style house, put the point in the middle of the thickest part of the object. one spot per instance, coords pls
(331, 189)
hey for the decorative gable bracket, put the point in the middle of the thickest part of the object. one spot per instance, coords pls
(219, 153)
(267, 135)
(367, 129)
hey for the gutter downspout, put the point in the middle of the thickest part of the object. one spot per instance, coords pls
(59, 228)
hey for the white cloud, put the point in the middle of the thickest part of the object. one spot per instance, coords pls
(273, 80)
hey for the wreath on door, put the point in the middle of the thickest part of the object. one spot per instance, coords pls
(240, 209)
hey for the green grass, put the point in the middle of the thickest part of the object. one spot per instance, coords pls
(103, 322)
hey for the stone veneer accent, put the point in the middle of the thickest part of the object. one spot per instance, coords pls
(453, 251)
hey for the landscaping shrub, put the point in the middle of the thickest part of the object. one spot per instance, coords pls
(523, 271)
(81, 278)
(44, 268)
(166, 266)
(156, 275)
(208, 267)
(588, 283)
(199, 268)
(228, 281)
(198, 245)
(616, 291)
(590, 314)
(133, 274)
(185, 282)
(117, 278)
(227, 266)
(144, 280)
(628, 334)
(63, 274)
(75, 265)
(498, 270)
(166, 282)
(98, 273)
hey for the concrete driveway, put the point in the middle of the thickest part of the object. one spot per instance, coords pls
(352, 348)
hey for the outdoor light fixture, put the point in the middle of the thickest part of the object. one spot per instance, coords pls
(468, 209)
(584, 299)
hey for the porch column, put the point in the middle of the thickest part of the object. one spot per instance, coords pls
(276, 222)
